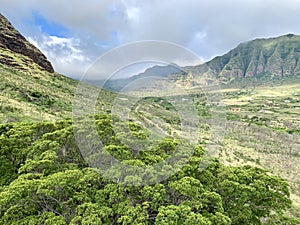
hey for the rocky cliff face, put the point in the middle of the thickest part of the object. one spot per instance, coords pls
(12, 40)
(277, 56)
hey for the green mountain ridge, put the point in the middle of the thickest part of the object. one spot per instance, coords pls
(276, 56)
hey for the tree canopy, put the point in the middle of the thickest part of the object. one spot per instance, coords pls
(45, 180)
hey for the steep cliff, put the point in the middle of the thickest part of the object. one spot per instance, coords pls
(277, 56)
(17, 52)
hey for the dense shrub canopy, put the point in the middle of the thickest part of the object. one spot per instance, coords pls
(45, 180)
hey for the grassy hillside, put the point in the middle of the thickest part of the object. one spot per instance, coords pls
(37, 96)
(40, 95)
(263, 128)
(29, 87)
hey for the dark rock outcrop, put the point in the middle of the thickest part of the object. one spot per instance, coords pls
(11, 39)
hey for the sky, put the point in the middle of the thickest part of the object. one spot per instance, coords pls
(74, 33)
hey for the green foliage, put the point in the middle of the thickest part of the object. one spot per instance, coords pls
(45, 181)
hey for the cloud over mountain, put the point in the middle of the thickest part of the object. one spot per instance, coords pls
(93, 27)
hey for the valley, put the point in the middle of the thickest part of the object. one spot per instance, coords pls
(262, 125)
(213, 144)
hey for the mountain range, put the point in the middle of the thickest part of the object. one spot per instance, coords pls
(277, 57)
(40, 160)
(155, 71)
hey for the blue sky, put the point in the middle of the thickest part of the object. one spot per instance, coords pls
(73, 33)
(49, 27)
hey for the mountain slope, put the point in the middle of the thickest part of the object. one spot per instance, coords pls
(40, 97)
(29, 87)
(275, 56)
(17, 52)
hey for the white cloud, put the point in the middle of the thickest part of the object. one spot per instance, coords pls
(208, 28)
(65, 54)
(133, 14)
